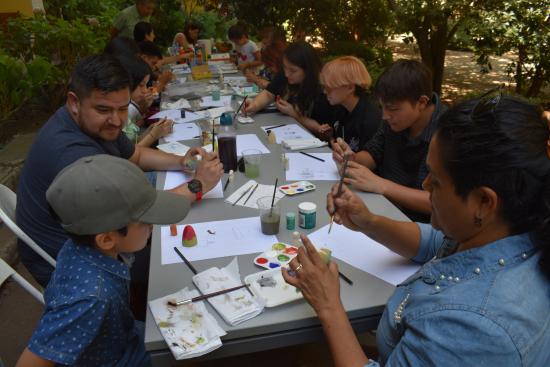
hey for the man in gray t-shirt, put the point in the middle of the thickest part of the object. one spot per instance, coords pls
(125, 21)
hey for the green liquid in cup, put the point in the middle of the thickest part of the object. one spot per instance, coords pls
(251, 170)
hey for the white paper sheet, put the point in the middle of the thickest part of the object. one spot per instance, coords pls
(301, 167)
(244, 142)
(174, 178)
(183, 132)
(235, 80)
(290, 131)
(364, 253)
(207, 101)
(250, 201)
(212, 113)
(231, 237)
(174, 148)
(175, 115)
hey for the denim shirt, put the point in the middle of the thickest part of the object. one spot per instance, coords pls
(87, 320)
(487, 306)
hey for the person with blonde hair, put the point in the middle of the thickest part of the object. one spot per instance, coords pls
(346, 81)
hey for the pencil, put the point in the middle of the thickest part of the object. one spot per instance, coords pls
(312, 156)
(346, 160)
(243, 194)
(251, 192)
(226, 183)
(189, 265)
(205, 296)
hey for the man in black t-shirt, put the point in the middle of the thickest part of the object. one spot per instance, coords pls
(393, 162)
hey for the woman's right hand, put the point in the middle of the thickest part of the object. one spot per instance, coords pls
(348, 209)
(209, 171)
(249, 107)
(318, 281)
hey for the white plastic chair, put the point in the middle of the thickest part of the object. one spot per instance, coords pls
(8, 200)
(7, 271)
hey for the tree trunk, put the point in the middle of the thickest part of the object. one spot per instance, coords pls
(433, 45)
(519, 66)
(536, 82)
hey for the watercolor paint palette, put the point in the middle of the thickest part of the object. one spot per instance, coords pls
(297, 187)
(278, 255)
(270, 286)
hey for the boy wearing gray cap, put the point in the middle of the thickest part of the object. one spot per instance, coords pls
(107, 207)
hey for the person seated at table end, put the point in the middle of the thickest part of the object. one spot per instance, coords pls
(481, 296)
(248, 55)
(346, 81)
(107, 207)
(393, 162)
(91, 123)
(297, 91)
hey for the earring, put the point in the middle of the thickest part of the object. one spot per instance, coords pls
(477, 221)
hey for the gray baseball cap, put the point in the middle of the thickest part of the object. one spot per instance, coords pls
(102, 193)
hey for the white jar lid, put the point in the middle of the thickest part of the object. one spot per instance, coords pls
(307, 207)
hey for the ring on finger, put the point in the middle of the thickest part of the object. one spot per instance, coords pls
(298, 268)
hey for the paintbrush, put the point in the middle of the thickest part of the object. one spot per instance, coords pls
(189, 265)
(205, 296)
(251, 192)
(243, 194)
(273, 199)
(241, 106)
(346, 160)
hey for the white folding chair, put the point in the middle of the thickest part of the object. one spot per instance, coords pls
(7, 271)
(8, 200)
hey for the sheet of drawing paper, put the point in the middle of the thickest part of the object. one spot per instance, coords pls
(364, 253)
(301, 167)
(217, 239)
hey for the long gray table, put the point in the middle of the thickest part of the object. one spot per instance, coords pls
(281, 326)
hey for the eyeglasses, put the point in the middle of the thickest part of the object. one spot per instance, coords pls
(487, 103)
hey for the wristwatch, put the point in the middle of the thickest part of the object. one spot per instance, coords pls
(195, 186)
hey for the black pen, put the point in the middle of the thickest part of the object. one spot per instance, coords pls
(226, 184)
(312, 156)
(186, 261)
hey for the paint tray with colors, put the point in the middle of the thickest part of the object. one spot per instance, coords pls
(297, 187)
(278, 255)
(270, 286)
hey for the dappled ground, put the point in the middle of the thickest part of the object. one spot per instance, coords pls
(462, 75)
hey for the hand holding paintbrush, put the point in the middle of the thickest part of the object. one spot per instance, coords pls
(339, 192)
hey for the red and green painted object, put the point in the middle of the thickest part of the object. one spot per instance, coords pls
(189, 238)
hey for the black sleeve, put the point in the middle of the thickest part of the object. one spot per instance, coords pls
(375, 146)
(125, 146)
(323, 112)
(277, 85)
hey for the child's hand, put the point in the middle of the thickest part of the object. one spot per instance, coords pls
(162, 128)
(285, 107)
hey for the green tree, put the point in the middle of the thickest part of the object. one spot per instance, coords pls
(524, 28)
(433, 24)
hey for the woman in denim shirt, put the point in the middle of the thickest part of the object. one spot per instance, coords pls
(482, 296)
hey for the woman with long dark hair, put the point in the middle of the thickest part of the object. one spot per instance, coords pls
(297, 91)
(482, 295)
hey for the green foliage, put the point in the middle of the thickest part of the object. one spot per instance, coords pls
(60, 42)
(213, 24)
(82, 9)
(523, 28)
(20, 81)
